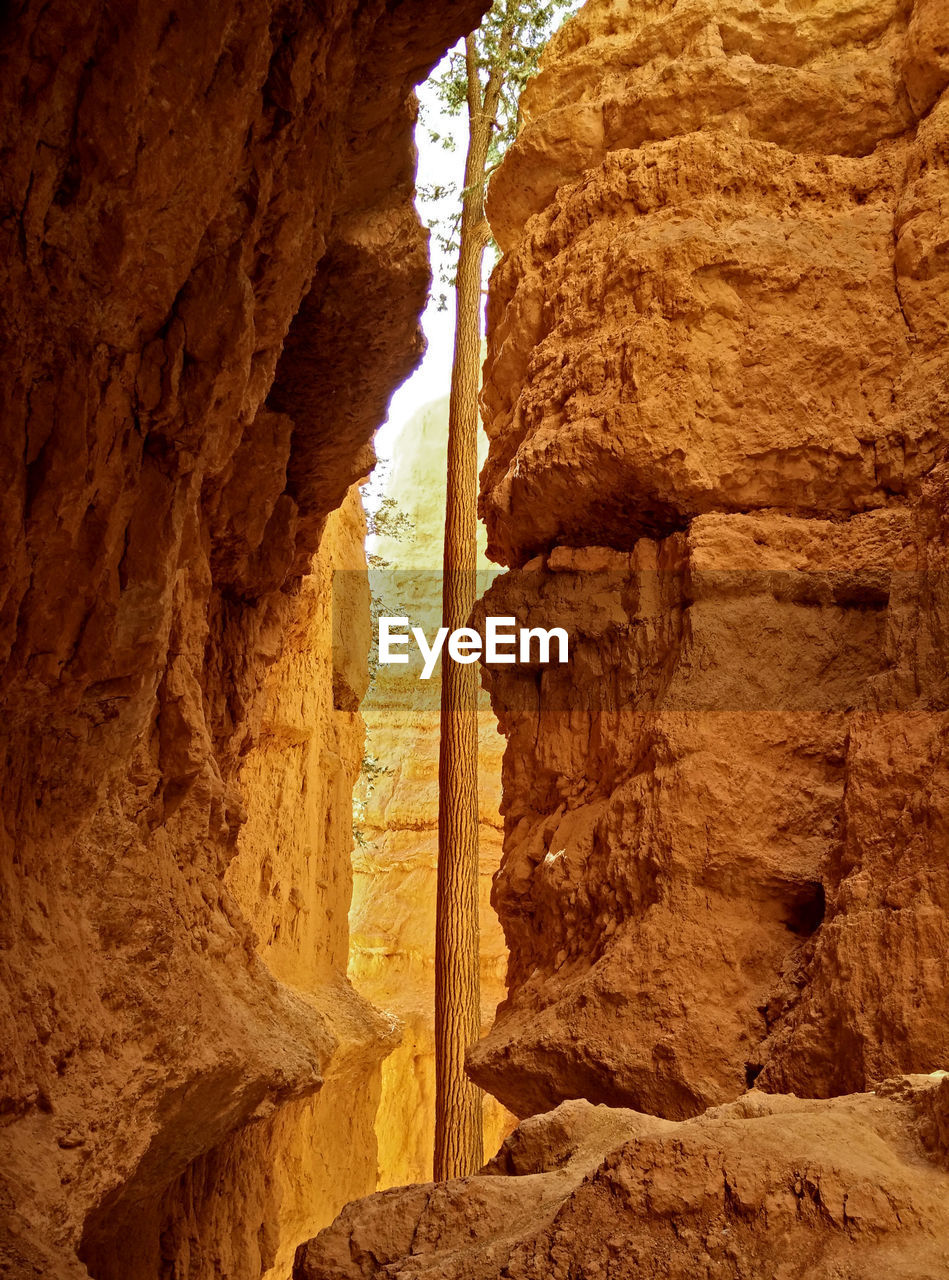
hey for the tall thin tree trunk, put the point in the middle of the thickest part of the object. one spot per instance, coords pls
(458, 1106)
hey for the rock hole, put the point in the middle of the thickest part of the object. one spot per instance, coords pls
(806, 910)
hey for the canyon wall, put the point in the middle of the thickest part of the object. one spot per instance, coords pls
(717, 393)
(240, 1208)
(212, 276)
(393, 914)
(717, 399)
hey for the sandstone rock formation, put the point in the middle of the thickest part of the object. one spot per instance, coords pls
(766, 1186)
(286, 1174)
(212, 273)
(691, 811)
(716, 391)
(718, 352)
(791, 265)
(393, 914)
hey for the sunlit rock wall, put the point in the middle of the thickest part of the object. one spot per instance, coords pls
(212, 274)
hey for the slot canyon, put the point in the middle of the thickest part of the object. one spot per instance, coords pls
(714, 846)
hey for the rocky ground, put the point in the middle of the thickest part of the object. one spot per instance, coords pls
(768, 1185)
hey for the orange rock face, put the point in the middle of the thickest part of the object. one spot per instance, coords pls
(696, 818)
(212, 273)
(766, 1186)
(716, 392)
(711, 300)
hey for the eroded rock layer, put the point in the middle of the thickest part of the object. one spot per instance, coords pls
(717, 395)
(716, 392)
(766, 1186)
(240, 1208)
(212, 273)
(714, 322)
(703, 851)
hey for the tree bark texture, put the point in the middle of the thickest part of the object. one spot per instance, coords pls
(458, 1102)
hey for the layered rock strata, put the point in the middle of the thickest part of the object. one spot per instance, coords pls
(212, 273)
(716, 392)
(701, 857)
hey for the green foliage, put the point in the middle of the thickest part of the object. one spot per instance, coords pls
(372, 770)
(509, 41)
(369, 773)
(376, 607)
(530, 24)
(387, 521)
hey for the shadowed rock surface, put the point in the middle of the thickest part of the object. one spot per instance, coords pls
(212, 274)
